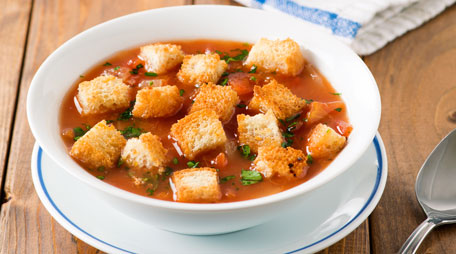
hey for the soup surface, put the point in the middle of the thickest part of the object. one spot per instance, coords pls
(229, 160)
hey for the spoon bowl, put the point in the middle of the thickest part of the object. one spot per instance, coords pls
(436, 191)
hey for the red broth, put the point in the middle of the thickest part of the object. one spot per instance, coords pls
(309, 84)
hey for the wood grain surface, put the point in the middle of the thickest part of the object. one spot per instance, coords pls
(417, 82)
(415, 74)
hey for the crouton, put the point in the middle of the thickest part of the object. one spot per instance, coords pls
(196, 185)
(103, 94)
(324, 142)
(198, 132)
(146, 153)
(154, 102)
(160, 58)
(287, 162)
(201, 68)
(278, 98)
(221, 99)
(99, 147)
(281, 56)
(259, 130)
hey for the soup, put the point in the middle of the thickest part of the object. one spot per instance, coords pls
(242, 160)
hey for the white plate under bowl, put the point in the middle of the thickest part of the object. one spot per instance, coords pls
(342, 205)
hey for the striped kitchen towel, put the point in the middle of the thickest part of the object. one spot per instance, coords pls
(365, 25)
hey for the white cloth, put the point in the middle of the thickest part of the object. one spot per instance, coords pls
(365, 25)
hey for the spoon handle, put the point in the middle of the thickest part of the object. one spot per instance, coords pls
(413, 242)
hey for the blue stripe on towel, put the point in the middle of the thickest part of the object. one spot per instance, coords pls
(338, 25)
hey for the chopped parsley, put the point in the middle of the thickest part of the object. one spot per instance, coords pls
(336, 93)
(101, 169)
(239, 57)
(135, 70)
(81, 76)
(308, 101)
(151, 83)
(131, 132)
(117, 67)
(120, 162)
(252, 78)
(288, 142)
(79, 132)
(240, 105)
(291, 118)
(253, 69)
(109, 121)
(101, 177)
(168, 171)
(151, 74)
(107, 64)
(181, 92)
(338, 109)
(309, 159)
(250, 177)
(192, 164)
(225, 74)
(127, 113)
(150, 191)
(246, 153)
(226, 179)
(224, 82)
(289, 128)
(175, 161)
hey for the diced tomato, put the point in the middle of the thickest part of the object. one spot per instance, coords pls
(220, 161)
(318, 111)
(344, 128)
(68, 133)
(240, 82)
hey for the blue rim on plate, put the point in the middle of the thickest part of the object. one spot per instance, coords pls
(369, 200)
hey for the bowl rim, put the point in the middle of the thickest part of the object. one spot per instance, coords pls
(132, 197)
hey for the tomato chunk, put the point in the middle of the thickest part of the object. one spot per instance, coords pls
(344, 128)
(240, 83)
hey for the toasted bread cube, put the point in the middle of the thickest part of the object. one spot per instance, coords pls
(103, 94)
(196, 185)
(259, 130)
(324, 142)
(287, 162)
(281, 56)
(154, 102)
(99, 147)
(201, 68)
(198, 132)
(145, 153)
(160, 58)
(278, 98)
(221, 99)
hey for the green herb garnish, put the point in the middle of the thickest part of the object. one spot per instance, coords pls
(107, 64)
(252, 78)
(192, 164)
(240, 105)
(336, 93)
(135, 70)
(101, 177)
(175, 161)
(150, 191)
(151, 74)
(79, 132)
(226, 179)
(240, 57)
(117, 67)
(309, 159)
(101, 169)
(253, 69)
(168, 171)
(250, 177)
(131, 132)
(291, 118)
(181, 92)
(244, 150)
(81, 76)
(338, 109)
(120, 162)
(127, 113)
(224, 82)
(308, 101)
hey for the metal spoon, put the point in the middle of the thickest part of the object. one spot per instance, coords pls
(435, 189)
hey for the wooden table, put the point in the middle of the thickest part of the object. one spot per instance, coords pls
(415, 74)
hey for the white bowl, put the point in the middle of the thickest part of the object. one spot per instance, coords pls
(341, 66)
